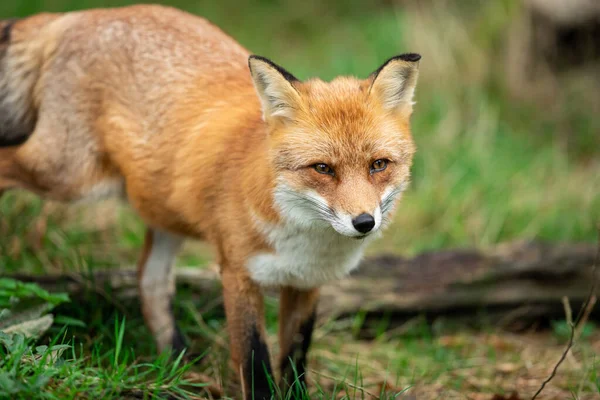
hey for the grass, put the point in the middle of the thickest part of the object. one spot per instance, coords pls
(64, 371)
(106, 355)
(489, 168)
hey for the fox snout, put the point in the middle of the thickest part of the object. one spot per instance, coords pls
(359, 224)
(364, 223)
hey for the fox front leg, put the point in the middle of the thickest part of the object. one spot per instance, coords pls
(297, 314)
(244, 309)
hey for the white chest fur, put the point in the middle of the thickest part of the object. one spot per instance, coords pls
(305, 257)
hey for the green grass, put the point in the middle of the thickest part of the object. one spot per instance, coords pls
(103, 350)
(489, 168)
(67, 371)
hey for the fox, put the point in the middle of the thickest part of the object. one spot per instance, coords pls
(288, 180)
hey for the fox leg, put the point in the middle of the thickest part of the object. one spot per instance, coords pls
(297, 314)
(156, 281)
(244, 309)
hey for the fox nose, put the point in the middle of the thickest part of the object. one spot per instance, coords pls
(364, 223)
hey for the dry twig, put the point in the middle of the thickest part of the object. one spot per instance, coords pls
(583, 312)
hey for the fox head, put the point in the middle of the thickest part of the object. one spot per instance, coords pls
(341, 150)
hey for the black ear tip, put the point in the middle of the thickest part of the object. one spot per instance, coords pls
(410, 57)
(255, 57)
(279, 69)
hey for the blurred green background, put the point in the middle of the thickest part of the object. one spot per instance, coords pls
(502, 155)
(492, 165)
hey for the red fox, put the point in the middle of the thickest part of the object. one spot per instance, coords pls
(289, 180)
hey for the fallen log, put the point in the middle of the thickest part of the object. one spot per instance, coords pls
(516, 282)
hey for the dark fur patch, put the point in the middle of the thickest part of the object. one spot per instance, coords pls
(15, 127)
(296, 357)
(289, 77)
(16, 138)
(178, 343)
(409, 57)
(258, 368)
(7, 26)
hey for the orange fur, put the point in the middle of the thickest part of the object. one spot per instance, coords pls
(296, 307)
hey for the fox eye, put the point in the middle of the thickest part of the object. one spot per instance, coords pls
(378, 166)
(323, 169)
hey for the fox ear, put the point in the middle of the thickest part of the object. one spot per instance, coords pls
(275, 87)
(394, 82)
